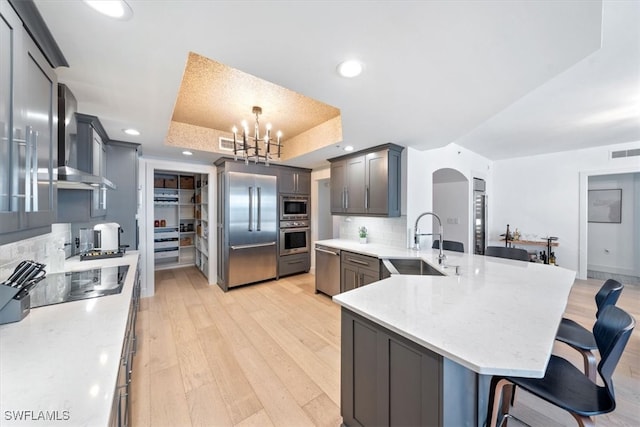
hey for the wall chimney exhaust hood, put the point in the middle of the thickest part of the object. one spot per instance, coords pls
(76, 146)
(70, 178)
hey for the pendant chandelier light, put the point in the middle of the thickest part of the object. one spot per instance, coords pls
(254, 148)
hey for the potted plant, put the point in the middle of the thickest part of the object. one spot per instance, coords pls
(362, 232)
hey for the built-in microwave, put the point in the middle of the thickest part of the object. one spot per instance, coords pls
(294, 207)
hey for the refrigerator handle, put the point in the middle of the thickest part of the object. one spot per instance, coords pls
(250, 209)
(259, 222)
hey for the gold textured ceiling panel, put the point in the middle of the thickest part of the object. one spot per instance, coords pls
(215, 96)
(200, 138)
(323, 135)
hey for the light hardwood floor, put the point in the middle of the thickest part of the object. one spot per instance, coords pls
(269, 355)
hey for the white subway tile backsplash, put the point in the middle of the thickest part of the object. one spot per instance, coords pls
(387, 231)
(47, 249)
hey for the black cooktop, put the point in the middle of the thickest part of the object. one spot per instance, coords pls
(77, 285)
(95, 254)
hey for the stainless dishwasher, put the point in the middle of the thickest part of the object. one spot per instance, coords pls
(327, 270)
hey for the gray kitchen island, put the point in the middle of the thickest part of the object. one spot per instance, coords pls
(421, 350)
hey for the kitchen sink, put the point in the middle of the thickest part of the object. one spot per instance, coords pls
(413, 266)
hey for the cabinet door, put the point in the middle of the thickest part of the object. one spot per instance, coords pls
(99, 195)
(10, 31)
(368, 276)
(303, 183)
(350, 278)
(338, 186)
(377, 186)
(39, 101)
(287, 181)
(387, 380)
(355, 198)
(96, 150)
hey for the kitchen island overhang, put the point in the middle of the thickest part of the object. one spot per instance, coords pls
(499, 317)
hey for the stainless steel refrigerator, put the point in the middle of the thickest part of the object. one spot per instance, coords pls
(251, 204)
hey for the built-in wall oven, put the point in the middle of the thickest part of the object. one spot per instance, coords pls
(295, 237)
(294, 207)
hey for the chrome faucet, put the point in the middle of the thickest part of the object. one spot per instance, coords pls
(416, 236)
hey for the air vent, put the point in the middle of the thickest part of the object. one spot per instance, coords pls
(226, 144)
(625, 153)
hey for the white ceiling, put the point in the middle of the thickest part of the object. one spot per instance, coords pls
(504, 79)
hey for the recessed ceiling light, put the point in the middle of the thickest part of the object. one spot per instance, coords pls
(118, 9)
(132, 132)
(350, 68)
(187, 153)
(348, 148)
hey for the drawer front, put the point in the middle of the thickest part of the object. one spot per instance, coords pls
(167, 244)
(158, 235)
(293, 264)
(166, 254)
(360, 261)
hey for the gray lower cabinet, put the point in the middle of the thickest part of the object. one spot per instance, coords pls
(293, 264)
(357, 270)
(387, 380)
(28, 137)
(121, 406)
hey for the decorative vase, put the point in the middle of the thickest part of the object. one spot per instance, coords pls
(363, 240)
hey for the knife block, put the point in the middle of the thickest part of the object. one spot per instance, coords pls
(11, 309)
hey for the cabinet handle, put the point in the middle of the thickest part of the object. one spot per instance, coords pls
(259, 223)
(27, 169)
(104, 197)
(326, 251)
(366, 197)
(356, 261)
(250, 209)
(346, 198)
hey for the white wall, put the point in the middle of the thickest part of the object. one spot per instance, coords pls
(613, 248)
(318, 178)
(451, 203)
(147, 168)
(546, 194)
(420, 168)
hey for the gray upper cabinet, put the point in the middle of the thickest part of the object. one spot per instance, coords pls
(28, 138)
(294, 181)
(122, 170)
(92, 158)
(367, 182)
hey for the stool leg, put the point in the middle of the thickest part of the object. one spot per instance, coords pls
(584, 421)
(495, 393)
(589, 360)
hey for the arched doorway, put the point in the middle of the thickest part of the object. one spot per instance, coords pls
(451, 203)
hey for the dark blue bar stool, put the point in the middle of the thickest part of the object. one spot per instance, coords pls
(448, 245)
(566, 386)
(510, 253)
(580, 338)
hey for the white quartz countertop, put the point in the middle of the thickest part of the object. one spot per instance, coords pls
(61, 361)
(498, 317)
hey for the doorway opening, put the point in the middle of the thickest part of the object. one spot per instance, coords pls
(451, 203)
(613, 228)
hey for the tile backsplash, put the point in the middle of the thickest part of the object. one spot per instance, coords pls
(387, 231)
(48, 249)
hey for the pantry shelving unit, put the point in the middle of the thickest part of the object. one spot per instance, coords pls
(174, 219)
(202, 224)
